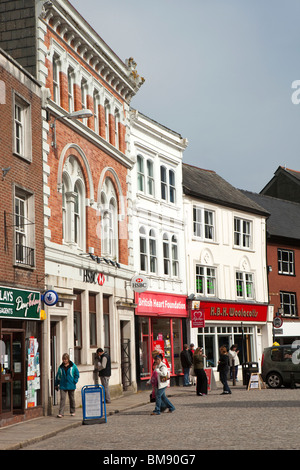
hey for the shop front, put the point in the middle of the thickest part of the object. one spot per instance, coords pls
(228, 323)
(20, 355)
(161, 324)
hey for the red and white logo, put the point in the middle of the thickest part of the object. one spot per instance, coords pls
(101, 279)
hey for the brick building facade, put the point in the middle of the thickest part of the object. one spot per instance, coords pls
(86, 187)
(22, 248)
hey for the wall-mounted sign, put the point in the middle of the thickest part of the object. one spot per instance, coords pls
(19, 303)
(93, 277)
(50, 298)
(160, 304)
(139, 283)
(234, 311)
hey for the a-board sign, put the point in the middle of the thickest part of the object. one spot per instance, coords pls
(211, 382)
(256, 382)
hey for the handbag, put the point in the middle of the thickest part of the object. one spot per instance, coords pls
(192, 372)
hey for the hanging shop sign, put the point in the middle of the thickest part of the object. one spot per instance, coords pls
(198, 318)
(50, 298)
(19, 303)
(234, 311)
(160, 304)
(139, 283)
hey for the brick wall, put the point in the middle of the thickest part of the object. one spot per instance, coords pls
(24, 174)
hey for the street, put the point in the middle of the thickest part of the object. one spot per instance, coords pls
(246, 420)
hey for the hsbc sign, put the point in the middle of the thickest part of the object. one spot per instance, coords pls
(139, 283)
(93, 277)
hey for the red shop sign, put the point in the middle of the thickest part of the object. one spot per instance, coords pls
(153, 303)
(198, 318)
(234, 311)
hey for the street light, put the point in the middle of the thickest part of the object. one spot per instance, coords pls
(82, 113)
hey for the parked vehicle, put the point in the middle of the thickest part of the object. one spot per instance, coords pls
(281, 365)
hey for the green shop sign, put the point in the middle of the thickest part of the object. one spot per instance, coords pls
(16, 303)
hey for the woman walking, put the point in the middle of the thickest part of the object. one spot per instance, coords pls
(198, 361)
(223, 368)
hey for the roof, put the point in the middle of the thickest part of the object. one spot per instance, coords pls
(284, 220)
(207, 185)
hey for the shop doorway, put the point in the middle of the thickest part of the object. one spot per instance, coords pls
(125, 355)
(54, 365)
(12, 373)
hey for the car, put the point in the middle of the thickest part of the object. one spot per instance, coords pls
(281, 365)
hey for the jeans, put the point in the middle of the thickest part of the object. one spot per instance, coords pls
(161, 399)
(186, 375)
(223, 379)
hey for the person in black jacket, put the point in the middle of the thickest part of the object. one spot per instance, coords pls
(223, 368)
(104, 368)
(186, 364)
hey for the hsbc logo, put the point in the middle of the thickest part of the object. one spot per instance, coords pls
(139, 284)
(93, 277)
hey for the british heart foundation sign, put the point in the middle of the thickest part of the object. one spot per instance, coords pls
(198, 319)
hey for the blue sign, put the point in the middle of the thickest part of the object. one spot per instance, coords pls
(50, 298)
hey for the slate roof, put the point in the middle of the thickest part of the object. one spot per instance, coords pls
(284, 220)
(207, 185)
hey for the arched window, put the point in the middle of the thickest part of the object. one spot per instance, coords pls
(109, 220)
(152, 251)
(143, 250)
(73, 204)
(174, 256)
(166, 254)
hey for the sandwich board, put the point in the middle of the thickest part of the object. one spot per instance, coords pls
(256, 382)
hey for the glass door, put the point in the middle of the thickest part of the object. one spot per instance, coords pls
(12, 376)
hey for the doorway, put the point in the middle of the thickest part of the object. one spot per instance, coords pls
(54, 365)
(125, 354)
(12, 373)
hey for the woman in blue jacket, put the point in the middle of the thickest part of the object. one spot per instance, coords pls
(66, 379)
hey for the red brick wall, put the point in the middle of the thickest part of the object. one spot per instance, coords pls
(281, 282)
(28, 175)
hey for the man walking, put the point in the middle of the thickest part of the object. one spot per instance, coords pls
(104, 368)
(186, 364)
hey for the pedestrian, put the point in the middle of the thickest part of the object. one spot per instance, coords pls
(223, 367)
(66, 379)
(201, 387)
(160, 392)
(234, 361)
(104, 368)
(186, 364)
(192, 377)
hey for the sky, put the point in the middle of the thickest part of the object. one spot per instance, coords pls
(218, 72)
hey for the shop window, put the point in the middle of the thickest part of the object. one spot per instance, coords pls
(145, 359)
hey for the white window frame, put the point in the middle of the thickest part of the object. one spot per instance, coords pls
(145, 175)
(292, 304)
(56, 68)
(290, 262)
(22, 130)
(167, 184)
(71, 82)
(109, 221)
(244, 285)
(202, 229)
(208, 276)
(24, 225)
(243, 233)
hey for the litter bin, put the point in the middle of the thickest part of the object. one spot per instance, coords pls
(248, 369)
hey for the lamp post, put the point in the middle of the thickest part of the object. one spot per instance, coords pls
(82, 113)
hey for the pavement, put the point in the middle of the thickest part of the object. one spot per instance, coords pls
(18, 436)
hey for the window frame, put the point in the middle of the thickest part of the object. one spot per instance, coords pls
(23, 123)
(207, 277)
(24, 253)
(241, 236)
(290, 263)
(201, 226)
(244, 282)
(292, 306)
